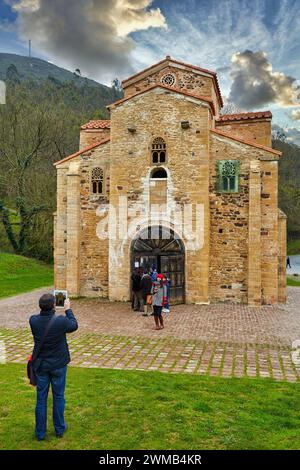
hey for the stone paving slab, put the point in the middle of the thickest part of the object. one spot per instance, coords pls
(277, 325)
(164, 354)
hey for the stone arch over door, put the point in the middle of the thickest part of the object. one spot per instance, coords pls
(160, 246)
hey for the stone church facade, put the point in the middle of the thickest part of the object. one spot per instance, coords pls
(167, 155)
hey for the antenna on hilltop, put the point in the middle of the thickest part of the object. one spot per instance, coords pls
(29, 48)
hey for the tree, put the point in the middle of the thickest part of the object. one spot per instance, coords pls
(117, 85)
(12, 75)
(34, 132)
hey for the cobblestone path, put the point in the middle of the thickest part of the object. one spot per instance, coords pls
(165, 355)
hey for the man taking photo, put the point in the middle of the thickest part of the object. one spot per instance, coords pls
(52, 356)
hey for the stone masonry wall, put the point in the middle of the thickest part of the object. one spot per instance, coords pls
(60, 234)
(93, 250)
(229, 224)
(89, 136)
(159, 113)
(282, 256)
(258, 131)
(269, 231)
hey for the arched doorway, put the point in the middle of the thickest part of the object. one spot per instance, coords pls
(160, 247)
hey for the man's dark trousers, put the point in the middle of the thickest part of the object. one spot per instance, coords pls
(57, 379)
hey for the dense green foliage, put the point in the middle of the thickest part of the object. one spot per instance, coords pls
(109, 409)
(19, 274)
(293, 247)
(289, 187)
(39, 125)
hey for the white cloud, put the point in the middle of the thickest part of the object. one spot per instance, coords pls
(255, 84)
(295, 115)
(92, 35)
(209, 33)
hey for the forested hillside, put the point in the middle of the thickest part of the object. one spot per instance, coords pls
(289, 185)
(21, 68)
(39, 124)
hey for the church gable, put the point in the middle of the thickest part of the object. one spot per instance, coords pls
(178, 75)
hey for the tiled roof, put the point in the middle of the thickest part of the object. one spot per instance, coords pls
(97, 124)
(244, 116)
(80, 152)
(195, 67)
(165, 87)
(247, 142)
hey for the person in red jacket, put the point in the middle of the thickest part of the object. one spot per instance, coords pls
(159, 300)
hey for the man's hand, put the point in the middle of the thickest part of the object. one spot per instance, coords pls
(67, 304)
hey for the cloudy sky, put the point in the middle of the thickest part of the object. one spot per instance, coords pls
(253, 45)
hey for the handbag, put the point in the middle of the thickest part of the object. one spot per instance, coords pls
(30, 369)
(149, 299)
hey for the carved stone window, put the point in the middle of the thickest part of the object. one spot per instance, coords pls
(228, 176)
(168, 79)
(97, 180)
(159, 150)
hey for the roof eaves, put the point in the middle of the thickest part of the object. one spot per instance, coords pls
(244, 116)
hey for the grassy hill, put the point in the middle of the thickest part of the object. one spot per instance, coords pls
(19, 274)
(75, 91)
(38, 70)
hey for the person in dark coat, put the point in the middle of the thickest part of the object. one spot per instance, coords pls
(146, 285)
(137, 297)
(51, 364)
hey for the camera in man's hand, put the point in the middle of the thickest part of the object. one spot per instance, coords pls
(60, 298)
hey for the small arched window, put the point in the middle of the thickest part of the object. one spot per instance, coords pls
(159, 150)
(97, 180)
(159, 173)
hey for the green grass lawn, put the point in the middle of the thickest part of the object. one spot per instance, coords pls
(293, 281)
(19, 274)
(110, 409)
(293, 247)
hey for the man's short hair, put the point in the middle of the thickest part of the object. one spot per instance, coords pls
(47, 302)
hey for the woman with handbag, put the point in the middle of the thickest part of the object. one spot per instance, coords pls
(159, 300)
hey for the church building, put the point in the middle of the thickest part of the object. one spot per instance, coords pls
(170, 182)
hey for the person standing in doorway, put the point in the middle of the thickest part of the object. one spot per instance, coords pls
(159, 300)
(146, 285)
(137, 298)
(153, 273)
(167, 282)
(50, 366)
